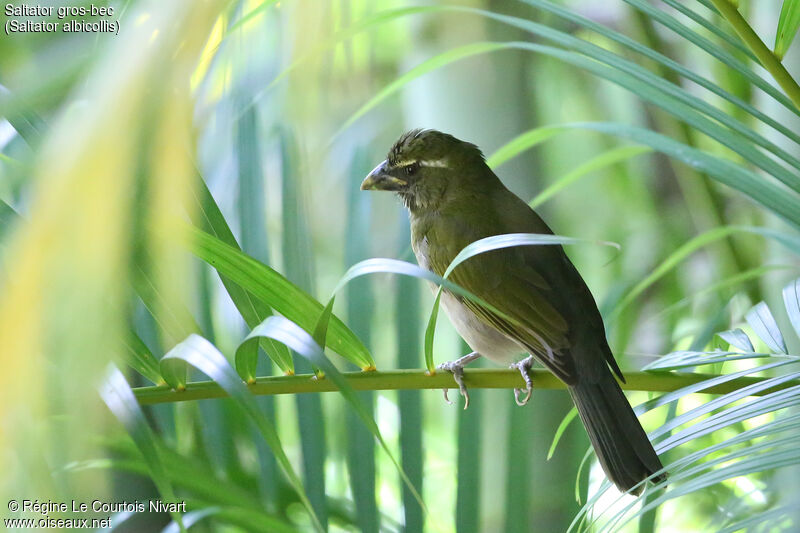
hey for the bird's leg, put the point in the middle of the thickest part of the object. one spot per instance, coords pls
(523, 367)
(457, 369)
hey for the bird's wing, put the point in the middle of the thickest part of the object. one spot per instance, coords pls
(564, 289)
(550, 310)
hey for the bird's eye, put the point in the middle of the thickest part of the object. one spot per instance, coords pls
(412, 169)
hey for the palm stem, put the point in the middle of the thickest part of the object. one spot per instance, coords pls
(420, 379)
(765, 56)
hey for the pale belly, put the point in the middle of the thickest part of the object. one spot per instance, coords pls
(482, 338)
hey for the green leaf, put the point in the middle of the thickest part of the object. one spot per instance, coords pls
(603, 486)
(738, 339)
(609, 58)
(713, 27)
(775, 198)
(430, 332)
(11, 161)
(8, 219)
(199, 482)
(201, 354)
(731, 281)
(393, 266)
(691, 359)
(174, 372)
(700, 386)
(207, 216)
(772, 516)
(30, 126)
(716, 51)
(250, 15)
(617, 37)
(174, 319)
(510, 240)
(646, 85)
(692, 479)
(755, 407)
(284, 296)
(562, 427)
(118, 396)
(252, 221)
(247, 353)
(289, 333)
(191, 518)
(608, 158)
(142, 360)
(788, 22)
(671, 98)
(675, 396)
(763, 323)
(638, 80)
(425, 67)
(763, 404)
(791, 299)
(521, 143)
(781, 423)
(704, 475)
(246, 359)
(321, 329)
(685, 251)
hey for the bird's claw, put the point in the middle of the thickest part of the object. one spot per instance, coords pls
(446, 398)
(523, 367)
(457, 369)
(524, 400)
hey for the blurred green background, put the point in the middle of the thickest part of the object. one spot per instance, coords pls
(108, 143)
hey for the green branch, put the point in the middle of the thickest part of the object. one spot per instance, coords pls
(765, 56)
(419, 379)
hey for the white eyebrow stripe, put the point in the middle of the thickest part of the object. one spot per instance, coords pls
(437, 163)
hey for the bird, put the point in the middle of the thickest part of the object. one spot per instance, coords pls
(453, 199)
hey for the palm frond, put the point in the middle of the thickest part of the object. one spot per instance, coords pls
(756, 448)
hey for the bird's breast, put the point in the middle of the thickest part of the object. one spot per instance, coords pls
(480, 336)
(421, 252)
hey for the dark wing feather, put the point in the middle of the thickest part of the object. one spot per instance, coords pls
(571, 299)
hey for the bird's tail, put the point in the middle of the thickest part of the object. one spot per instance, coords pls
(621, 445)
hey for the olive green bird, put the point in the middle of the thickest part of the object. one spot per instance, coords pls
(454, 199)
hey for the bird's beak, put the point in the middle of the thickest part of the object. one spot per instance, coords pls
(380, 180)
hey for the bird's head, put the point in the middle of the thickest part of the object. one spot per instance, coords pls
(426, 168)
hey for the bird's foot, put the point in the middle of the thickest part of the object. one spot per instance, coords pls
(457, 369)
(523, 367)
